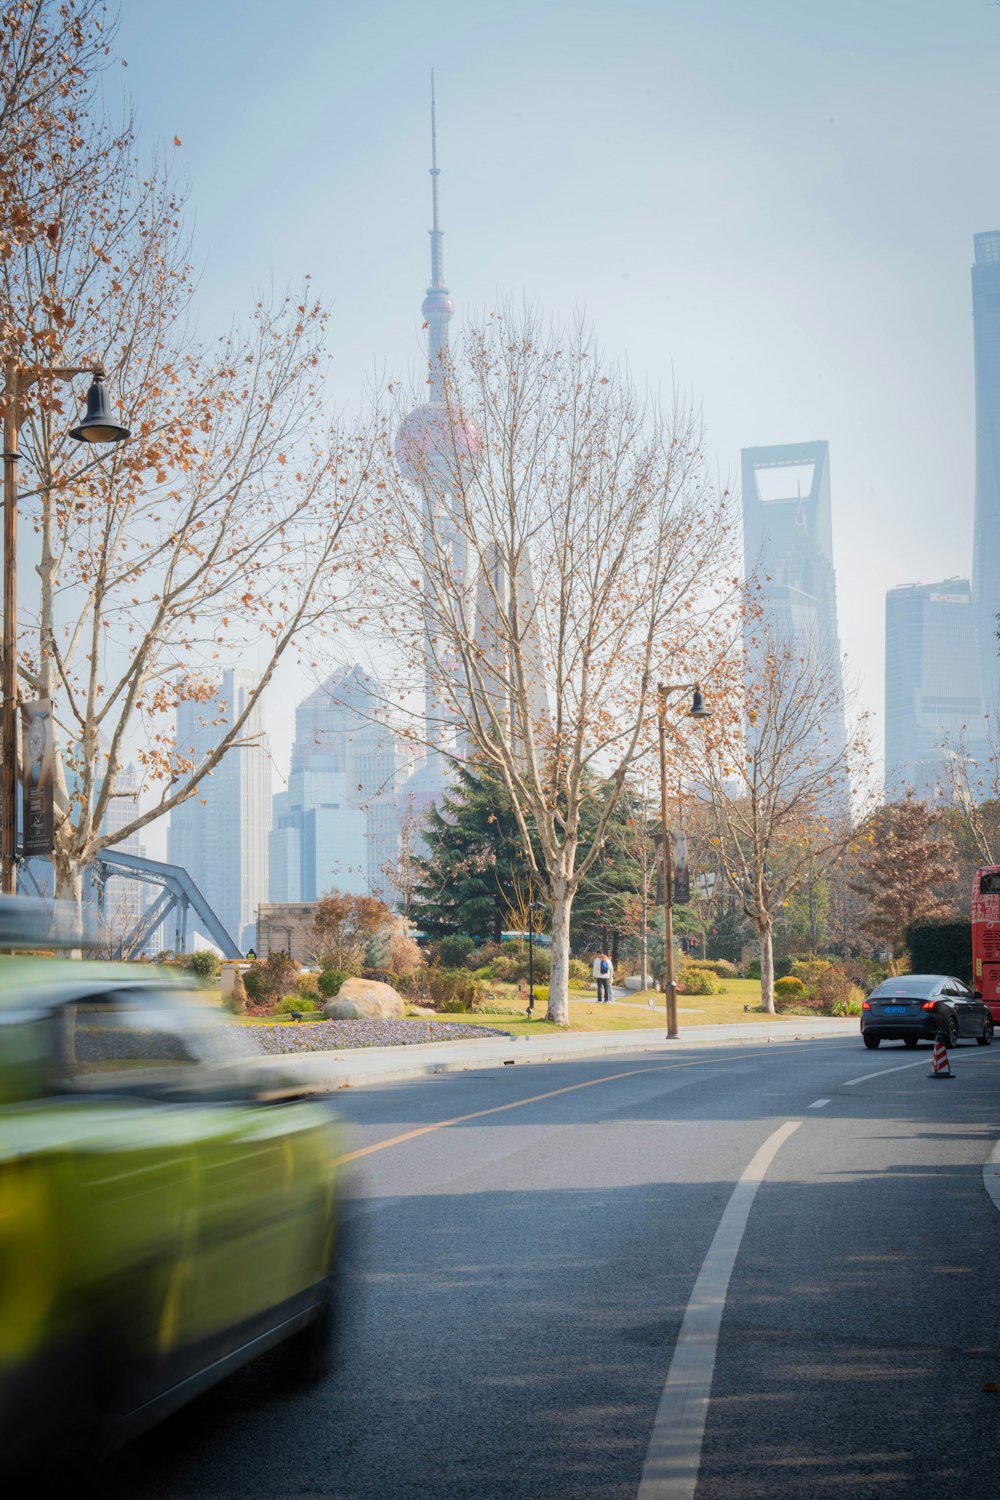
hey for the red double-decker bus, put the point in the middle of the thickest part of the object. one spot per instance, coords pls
(986, 936)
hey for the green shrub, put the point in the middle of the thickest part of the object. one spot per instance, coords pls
(270, 981)
(384, 976)
(294, 1002)
(941, 945)
(452, 951)
(851, 1006)
(831, 989)
(446, 989)
(789, 988)
(811, 971)
(724, 969)
(512, 963)
(483, 955)
(753, 969)
(541, 994)
(204, 964)
(697, 982)
(329, 982)
(255, 983)
(579, 970)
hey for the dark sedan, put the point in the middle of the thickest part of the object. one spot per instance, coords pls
(919, 1006)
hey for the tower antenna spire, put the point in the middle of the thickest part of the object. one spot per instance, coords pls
(437, 233)
(438, 306)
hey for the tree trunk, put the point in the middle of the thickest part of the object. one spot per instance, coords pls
(562, 906)
(69, 888)
(68, 879)
(765, 934)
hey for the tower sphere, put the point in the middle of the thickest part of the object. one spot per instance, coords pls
(437, 304)
(434, 431)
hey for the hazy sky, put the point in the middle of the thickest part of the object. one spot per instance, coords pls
(769, 204)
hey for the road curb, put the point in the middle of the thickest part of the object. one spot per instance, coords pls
(325, 1072)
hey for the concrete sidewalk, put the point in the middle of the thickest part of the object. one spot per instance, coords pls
(322, 1072)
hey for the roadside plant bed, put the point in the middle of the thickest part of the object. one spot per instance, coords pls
(336, 1036)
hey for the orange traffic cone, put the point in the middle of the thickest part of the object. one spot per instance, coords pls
(940, 1065)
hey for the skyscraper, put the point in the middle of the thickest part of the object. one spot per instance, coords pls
(338, 822)
(788, 546)
(220, 834)
(986, 541)
(932, 723)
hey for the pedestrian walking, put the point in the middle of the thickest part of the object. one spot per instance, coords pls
(604, 973)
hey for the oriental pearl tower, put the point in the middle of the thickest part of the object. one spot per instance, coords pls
(432, 439)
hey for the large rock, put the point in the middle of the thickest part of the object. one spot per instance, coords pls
(341, 1010)
(370, 997)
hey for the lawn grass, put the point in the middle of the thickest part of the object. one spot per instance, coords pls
(739, 1001)
(632, 1013)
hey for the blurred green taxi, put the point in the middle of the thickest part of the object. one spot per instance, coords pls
(168, 1210)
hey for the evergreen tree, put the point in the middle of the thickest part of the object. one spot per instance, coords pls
(466, 879)
(473, 872)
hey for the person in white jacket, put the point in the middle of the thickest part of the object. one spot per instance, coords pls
(604, 973)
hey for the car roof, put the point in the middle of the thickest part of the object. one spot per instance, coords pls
(902, 979)
(27, 980)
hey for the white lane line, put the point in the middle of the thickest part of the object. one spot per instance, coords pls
(674, 1454)
(818, 1103)
(991, 1175)
(883, 1071)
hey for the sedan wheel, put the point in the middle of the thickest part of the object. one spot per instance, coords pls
(910, 1041)
(987, 1036)
(951, 1032)
(869, 1040)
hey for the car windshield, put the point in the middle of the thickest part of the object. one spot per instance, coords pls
(912, 986)
(145, 1039)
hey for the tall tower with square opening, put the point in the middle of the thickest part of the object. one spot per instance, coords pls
(986, 543)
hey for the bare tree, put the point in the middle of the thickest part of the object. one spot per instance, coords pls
(569, 550)
(51, 53)
(778, 777)
(222, 527)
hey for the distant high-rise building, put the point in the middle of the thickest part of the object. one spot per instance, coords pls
(125, 900)
(220, 835)
(986, 541)
(338, 823)
(788, 547)
(932, 713)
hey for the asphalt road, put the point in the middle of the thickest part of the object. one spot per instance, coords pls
(521, 1280)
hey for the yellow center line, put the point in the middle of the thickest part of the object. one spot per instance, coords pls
(570, 1088)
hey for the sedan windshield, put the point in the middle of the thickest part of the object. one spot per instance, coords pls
(917, 986)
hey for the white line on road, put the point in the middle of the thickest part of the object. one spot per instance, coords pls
(883, 1071)
(818, 1103)
(674, 1454)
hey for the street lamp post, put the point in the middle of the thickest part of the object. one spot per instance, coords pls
(98, 426)
(696, 711)
(532, 907)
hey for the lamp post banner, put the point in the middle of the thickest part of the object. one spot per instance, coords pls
(36, 776)
(682, 871)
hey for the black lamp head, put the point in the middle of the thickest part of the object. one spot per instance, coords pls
(698, 709)
(99, 425)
